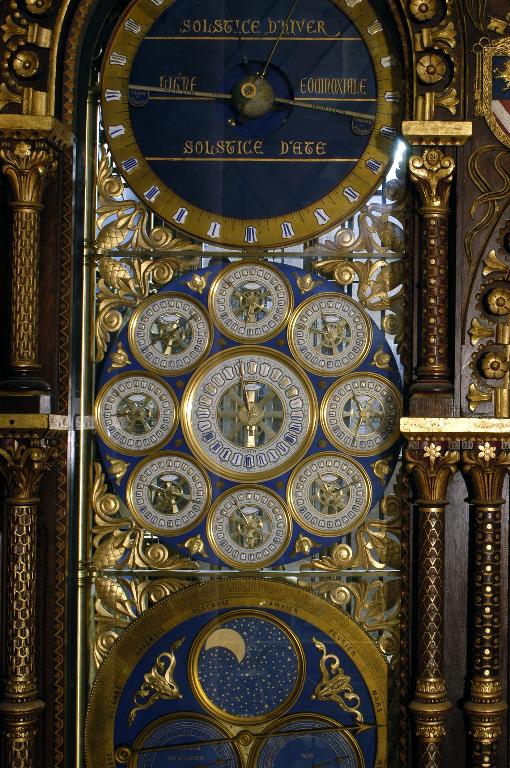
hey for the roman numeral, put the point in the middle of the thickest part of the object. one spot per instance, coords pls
(129, 164)
(394, 96)
(375, 27)
(151, 193)
(390, 133)
(116, 130)
(287, 230)
(250, 235)
(111, 95)
(117, 58)
(214, 229)
(373, 165)
(351, 194)
(321, 216)
(132, 26)
(389, 61)
(180, 215)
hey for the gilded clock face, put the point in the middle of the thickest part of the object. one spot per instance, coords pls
(249, 527)
(170, 333)
(329, 494)
(291, 739)
(360, 414)
(168, 493)
(259, 127)
(330, 334)
(250, 301)
(249, 413)
(135, 413)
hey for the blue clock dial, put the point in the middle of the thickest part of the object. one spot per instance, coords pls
(258, 127)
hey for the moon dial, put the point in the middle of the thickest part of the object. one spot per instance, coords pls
(246, 667)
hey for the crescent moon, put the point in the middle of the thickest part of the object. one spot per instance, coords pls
(229, 639)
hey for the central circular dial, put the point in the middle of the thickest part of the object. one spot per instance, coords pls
(249, 414)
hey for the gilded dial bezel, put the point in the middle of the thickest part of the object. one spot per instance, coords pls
(212, 534)
(202, 697)
(337, 203)
(350, 447)
(193, 439)
(303, 522)
(135, 321)
(131, 490)
(98, 413)
(273, 728)
(215, 289)
(296, 318)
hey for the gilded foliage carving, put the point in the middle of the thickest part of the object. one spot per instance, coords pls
(23, 461)
(118, 542)
(335, 685)
(158, 684)
(486, 465)
(377, 544)
(125, 222)
(374, 604)
(28, 164)
(119, 600)
(432, 173)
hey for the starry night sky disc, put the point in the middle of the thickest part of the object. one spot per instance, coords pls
(248, 667)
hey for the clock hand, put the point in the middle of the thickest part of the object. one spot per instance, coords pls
(228, 97)
(323, 108)
(176, 92)
(263, 73)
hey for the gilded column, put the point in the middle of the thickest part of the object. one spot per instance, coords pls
(430, 466)
(485, 467)
(23, 460)
(29, 162)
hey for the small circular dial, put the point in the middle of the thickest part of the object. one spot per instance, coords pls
(250, 301)
(246, 666)
(135, 413)
(168, 493)
(360, 414)
(329, 494)
(189, 738)
(290, 740)
(249, 527)
(170, 333)
(330, 334)
(249, 413)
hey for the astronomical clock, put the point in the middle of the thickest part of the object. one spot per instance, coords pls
(250, 353)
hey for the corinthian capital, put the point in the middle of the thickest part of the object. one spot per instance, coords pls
(28, 163)
(432, 173)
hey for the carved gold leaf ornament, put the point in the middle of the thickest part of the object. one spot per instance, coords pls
(335, 685)
(304, 545)
(492, 263)
(305, 283)
(119, 600)
(475, 397)
(479, 331)
(198, 283)
(118, 468)
(377, 544)
(431, 68)
(159, 683)
(119, 358)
